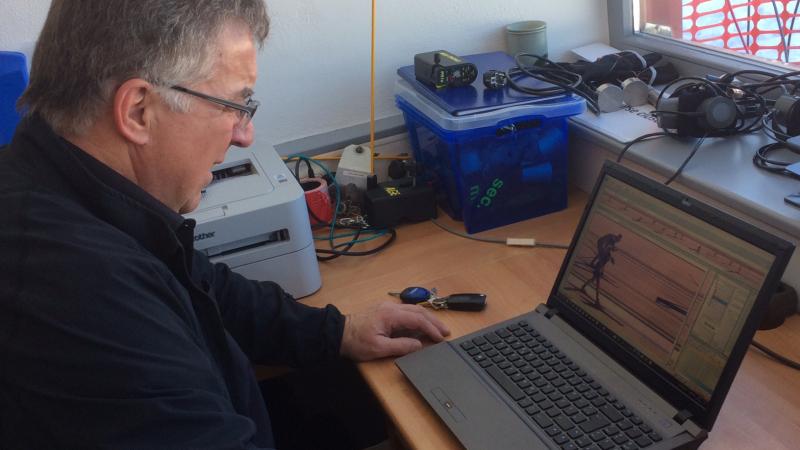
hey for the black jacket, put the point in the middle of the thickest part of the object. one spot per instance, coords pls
(114, 331)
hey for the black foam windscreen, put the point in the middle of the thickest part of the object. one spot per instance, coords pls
(696, 110)
(787, 114)
(717, 113)
(611, 68)
(665, 73)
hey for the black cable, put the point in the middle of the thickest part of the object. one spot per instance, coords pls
(564, 81)
(649, 136)
(780, 358)
(333, 251)
(641, 138)
(309, 170)
(750, 105)
(685, 161)
(762, 161)
(772, 81)
(348, 246)
(771, 131)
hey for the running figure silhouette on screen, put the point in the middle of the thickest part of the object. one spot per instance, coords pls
(605, 246)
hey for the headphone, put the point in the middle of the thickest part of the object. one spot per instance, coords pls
(787, 116)
(783, 125)
(700, 107)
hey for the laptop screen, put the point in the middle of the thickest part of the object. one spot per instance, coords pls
(668, 288)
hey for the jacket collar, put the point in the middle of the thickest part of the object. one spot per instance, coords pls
(107, 194)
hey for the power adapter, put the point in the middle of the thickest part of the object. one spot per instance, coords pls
(393, 202)
(442, 69)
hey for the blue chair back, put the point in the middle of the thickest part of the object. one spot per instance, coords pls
(13, 80)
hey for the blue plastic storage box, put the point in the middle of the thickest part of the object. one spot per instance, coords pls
(493, 168)
(13, 79)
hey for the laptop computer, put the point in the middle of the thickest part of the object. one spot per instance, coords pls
(647, 323)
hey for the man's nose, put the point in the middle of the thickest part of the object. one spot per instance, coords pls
(243, 137)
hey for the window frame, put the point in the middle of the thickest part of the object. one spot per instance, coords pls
(690, 59)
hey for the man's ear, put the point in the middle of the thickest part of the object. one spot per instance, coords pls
(133, 110)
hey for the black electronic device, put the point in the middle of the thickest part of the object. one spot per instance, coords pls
(782, 305)
(402, 168)
(393, 202)
(698, 109)
(617, 67)
(442, 69)
(495, 79)
(787, 114)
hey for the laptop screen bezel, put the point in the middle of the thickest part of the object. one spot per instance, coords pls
(659, 380)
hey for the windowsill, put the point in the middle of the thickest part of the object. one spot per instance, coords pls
(721, 170)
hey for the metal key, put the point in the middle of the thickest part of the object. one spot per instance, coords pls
(459, 302)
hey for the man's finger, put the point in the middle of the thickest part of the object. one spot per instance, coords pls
(435, 320)
(443, 330)
(412, 320)
(398, 346)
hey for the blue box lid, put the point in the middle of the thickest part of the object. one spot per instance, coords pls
(476, 98)
(563, 107)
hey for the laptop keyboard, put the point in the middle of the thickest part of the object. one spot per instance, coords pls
(567, 403)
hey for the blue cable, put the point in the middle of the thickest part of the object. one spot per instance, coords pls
(331, 235)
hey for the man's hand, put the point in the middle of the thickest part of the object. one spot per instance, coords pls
(390, 329)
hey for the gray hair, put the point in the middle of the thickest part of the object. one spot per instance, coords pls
(88, 48)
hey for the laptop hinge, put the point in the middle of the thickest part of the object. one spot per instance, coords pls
(550, 313)
(682, 416)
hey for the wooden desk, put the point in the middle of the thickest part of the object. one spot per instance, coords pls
(762, 410)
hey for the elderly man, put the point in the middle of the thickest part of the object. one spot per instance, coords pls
(114, 332)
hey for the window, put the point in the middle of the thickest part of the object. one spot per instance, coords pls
(711, 35)
(764, 29)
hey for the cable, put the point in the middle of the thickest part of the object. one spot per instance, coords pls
(563, 80)
(336, 253)
(762, 161)
(309, 170)
(649, 136)
(780, 358)
(685, 161)
(333, 183)
(641, 138)
(750, 105)
(497, 241)
(333, 223)
(348, 246)
(467, 236)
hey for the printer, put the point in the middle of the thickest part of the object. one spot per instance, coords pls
(253, 217)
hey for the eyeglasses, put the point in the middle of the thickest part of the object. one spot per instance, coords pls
(245, 112)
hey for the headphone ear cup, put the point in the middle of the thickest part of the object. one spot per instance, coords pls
(718, 113)
(787, 113)
(667, 120)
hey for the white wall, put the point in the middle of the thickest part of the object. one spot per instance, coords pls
(314, 69)
(20, 23)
